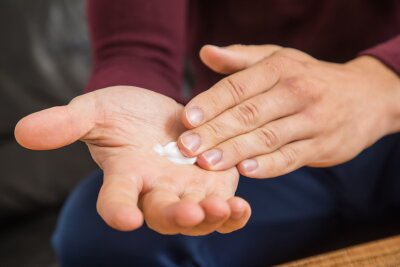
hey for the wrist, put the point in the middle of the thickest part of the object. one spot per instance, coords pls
(387, 82)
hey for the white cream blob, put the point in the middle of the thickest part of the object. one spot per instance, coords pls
(172, 152)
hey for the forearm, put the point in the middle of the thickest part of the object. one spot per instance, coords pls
(138, 43)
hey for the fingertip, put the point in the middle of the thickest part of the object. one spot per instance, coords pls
(219, 59)
(187, 152)
(212, 161)
(187, 214)
(248, 168)
(117, 202)
(46, 129)
(239, 208)
(216, 209)
(204, 164)
(244, 172)
(192, 116)
(240, 215)
(19, 133)
(185, 121)
(31, 131)
(128, 219)
(206, 51)
(123, 218)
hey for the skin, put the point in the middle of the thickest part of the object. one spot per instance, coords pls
(280, 109)
(140, 185)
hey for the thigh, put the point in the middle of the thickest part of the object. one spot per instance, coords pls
(289, 215)
(367, 188)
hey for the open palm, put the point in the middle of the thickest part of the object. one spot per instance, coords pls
(121, 125)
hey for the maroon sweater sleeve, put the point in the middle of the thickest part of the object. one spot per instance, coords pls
(138, 43)
(388, 53)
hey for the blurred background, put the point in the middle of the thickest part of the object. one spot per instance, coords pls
(44, 61)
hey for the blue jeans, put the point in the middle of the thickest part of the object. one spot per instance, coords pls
(292, 215)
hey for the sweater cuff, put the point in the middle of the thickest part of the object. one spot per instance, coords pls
(388, 53)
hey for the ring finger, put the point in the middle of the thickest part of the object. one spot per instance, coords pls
(263, 140)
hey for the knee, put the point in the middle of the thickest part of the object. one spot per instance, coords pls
(82, 238)
(65, 248)
(72, 238)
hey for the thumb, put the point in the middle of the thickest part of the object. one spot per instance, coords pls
(233, 58)
(57, 126)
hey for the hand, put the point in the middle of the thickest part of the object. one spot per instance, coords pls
(282, 109)
(121, 125)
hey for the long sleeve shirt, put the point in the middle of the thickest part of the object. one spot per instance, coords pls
(150, 43)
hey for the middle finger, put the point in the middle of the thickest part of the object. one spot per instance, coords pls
(240, 119)
(260, 141)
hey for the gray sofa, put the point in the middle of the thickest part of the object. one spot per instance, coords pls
(44, 61)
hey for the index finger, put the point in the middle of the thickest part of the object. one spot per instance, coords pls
(231, 91)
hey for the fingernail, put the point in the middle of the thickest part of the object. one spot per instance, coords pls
(212, 156)
(249, 165)
(194, 116)
(191, 142)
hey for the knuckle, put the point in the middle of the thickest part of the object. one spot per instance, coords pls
(281, 57)
(312, 119)
(289, 52)
(236, 90)
(307, 65)
(296, 86)
(269, 138)
(289, 157)
(272, 67)
(195, 191)
(172, 183)
(304, 88)
(247, 114)
(210, 99)
(285, 62)
(238, 149)
(215, 129)
(280, 53)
